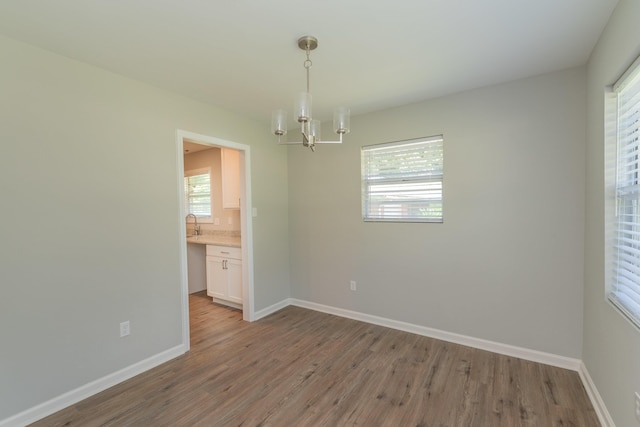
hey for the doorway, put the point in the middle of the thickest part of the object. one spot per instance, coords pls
(246, 235)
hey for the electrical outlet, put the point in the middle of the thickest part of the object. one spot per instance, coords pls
(638, 406)
(353, 285)
(125, 329)
(216, 221)
(230, 221)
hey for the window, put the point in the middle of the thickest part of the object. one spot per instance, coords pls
(402, 181)
(624, 291)
(197, 193)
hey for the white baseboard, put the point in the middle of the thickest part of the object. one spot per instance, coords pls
(594, 396)
(506, 349)
(67, 399)
(272, 309)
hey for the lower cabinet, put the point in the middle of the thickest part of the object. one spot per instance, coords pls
(224, 275)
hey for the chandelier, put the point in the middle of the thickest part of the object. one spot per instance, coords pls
(310, 128)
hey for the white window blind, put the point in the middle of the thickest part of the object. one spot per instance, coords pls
(402, 181)
(197, 193)
(624, 292)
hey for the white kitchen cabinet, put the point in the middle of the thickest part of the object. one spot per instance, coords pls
(224, 275)
(230, 165)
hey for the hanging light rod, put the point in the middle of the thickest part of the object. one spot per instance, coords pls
(309, 127)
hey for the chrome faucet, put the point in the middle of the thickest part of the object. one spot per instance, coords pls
(196, 228)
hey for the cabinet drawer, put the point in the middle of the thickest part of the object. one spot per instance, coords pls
(224, 251)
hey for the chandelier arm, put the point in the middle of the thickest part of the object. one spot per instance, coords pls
(339, 141)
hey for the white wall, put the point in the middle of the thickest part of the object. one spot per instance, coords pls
(507, 263)
(611, 344)
(90, 221)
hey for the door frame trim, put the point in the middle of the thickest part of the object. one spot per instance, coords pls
(246, 226)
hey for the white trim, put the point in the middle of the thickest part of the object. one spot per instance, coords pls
(245, 225)
(621, 310)
(596, 400)
(182, 235)
(273, 308)
(628, 74)
(74, 396)
(495, 347)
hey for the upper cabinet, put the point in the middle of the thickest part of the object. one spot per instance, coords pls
(230, 160)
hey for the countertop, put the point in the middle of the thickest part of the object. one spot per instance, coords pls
(212, 239)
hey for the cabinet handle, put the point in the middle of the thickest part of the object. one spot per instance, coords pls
(223, 252)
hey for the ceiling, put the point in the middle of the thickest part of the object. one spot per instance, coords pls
(190, 147)
(242, 55)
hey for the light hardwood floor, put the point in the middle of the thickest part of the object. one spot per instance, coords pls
(303, 368)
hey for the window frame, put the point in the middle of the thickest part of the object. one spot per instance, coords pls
(420, 189)
(622, 288)
(195, 172)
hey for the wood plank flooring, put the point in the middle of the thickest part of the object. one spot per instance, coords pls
(303, 368)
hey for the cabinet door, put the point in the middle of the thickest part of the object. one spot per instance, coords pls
(216, 277)
(230, 160)
(234, 272)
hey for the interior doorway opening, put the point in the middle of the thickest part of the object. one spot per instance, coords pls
(225, 220)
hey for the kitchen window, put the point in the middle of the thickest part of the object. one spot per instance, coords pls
(197, 193)
(402, 181)
(624, 289)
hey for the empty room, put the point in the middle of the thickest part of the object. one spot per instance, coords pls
(410, 213)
